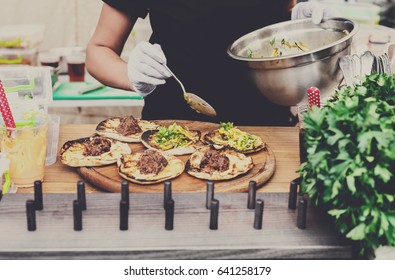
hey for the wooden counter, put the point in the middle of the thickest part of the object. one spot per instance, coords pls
(283, 141)
(191, 238)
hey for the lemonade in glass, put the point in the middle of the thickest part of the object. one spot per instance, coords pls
(25, 147)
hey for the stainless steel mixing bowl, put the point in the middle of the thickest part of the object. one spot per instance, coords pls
(284, 79)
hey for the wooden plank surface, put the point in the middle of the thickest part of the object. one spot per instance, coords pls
(147, 238)
(107, 177)
(282, 140)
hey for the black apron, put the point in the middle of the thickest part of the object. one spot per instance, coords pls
(195, 35)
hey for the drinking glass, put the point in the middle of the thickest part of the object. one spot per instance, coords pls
(25, 147)
(76, 67)
(49, 59)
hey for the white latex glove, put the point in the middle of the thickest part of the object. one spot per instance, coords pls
(313, 10)
(145, 68)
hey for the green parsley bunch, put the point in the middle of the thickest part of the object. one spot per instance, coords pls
(350, 171)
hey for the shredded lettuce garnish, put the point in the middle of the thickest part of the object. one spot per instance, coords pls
(236, 138)
(173, 136)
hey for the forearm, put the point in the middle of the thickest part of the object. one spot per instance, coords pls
(107, 67)
(103, 60)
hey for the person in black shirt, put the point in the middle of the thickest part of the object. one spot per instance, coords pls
(191, 37)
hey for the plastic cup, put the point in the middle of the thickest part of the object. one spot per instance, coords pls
(76, 67)
(49, 59)
(53, 140)
(25, 147)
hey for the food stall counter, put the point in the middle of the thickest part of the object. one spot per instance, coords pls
(283, 141)
(102, 225)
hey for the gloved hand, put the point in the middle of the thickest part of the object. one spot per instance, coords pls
(313, 10)
(145, 68)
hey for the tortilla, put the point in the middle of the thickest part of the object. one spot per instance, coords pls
(125, 129)
(92, 151)
(226, 164)
(165, 140)
(229, 136)
(129, 168)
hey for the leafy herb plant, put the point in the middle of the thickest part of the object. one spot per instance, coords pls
(350, 171)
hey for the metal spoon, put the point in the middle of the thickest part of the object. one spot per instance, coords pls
(195, 102)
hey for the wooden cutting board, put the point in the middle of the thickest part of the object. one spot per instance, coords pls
(107, 177)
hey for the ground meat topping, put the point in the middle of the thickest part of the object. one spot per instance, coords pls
(96, 146)
(214, 160)
(151, 162)
(128, 126)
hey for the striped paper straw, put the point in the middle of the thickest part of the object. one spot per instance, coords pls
(5, 109)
